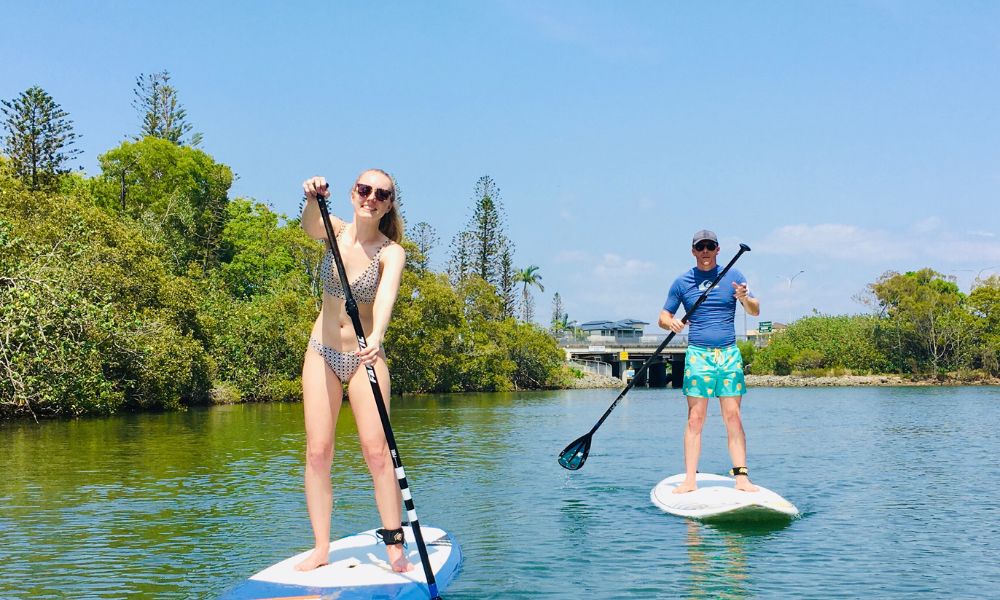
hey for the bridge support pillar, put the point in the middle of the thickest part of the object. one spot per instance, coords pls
(677, 371)
(657, 374)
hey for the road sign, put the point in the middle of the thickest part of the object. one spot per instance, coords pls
(623, 355)
(764, 327)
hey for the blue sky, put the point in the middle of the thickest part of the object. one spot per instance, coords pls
(842, 139)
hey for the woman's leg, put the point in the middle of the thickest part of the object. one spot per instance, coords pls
(376, 453)
(322, 395)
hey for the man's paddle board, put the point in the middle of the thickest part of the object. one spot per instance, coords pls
(358, 569)
(717, 500)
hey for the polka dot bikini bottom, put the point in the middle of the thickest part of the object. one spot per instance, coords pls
(343, 364)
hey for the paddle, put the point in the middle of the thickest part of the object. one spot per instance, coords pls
(397, 462)
(575, 454)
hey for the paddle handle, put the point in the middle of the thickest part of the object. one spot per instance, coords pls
(397, 462)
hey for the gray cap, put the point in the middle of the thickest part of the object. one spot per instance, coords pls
(704, 234)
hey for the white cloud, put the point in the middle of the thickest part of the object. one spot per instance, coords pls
(615, 267)
(927, 225)
(835, 240)
(927, 241)
(571, 256)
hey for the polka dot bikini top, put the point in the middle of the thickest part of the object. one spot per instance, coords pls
(363, 288)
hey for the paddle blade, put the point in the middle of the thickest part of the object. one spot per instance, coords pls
(574, 455)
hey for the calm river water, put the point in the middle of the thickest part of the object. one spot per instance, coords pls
(899, 489)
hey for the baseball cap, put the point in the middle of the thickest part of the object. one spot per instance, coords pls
(704, 234)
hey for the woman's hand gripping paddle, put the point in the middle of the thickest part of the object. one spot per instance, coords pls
(575, 454)
(352, 311)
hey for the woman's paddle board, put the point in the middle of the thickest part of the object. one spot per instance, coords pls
(358, 569)
(717, 500)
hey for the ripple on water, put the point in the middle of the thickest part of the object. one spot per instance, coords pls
(895, 490)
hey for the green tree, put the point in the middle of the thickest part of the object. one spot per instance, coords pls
(928, 322)
(91, 318)
(483, 247)
(425, 238)
(820, 341)
(38, 139)
(527, 277)
(984, 304)
(260, 247)
(161, 113)
(506, 283)
(460, 261)
(178, 194)
(558, 312)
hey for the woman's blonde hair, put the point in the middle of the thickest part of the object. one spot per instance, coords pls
(391, 224)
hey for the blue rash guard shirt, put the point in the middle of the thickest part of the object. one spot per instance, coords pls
(711, 326)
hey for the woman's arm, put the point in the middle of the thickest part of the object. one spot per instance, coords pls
(312, 220)
(393, 261)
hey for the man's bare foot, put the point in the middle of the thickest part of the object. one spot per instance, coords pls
(687, 486)
(317, 558)
(398, 560)
(743, 484)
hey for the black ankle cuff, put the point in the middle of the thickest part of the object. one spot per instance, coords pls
(391, 537)
(739, 471)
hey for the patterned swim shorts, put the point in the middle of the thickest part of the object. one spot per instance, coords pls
(713, 372)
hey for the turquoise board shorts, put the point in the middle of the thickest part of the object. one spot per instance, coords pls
(713, 372)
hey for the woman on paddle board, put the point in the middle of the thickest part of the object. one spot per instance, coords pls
(373, 263)
(713, 367)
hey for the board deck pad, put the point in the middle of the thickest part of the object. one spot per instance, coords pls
(716, 499)
(357, 569)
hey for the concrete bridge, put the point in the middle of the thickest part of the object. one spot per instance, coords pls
(621, 357)
(624, 356)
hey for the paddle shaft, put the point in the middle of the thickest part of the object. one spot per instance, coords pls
(352, 311)
(663, 344)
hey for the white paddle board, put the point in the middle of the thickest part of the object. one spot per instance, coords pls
(357, 569)
(716, 499)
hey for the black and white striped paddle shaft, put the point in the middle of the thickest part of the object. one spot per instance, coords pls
(352, 311)
(575, 454)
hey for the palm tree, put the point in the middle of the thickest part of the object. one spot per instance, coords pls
(528, 276)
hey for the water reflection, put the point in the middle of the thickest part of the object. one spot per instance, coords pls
(718, 556)
(718, 564)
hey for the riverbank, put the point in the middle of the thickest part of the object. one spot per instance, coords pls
(863, 381)
(590, 380)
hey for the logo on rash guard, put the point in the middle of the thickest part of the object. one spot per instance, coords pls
(704, 285)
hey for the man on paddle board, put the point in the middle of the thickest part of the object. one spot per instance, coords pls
(713, 367)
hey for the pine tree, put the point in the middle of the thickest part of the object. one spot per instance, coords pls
(162, 115)
(425, 238)
(39, 136)
(507, 280)
(557, 312)
(483, 247)
(460, 263)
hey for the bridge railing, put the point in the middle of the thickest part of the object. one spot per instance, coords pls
(592, 366)
(646, 341)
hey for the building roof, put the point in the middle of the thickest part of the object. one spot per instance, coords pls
(613, 325)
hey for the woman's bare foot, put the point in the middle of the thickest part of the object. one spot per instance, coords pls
(687, 486)
(743, 484)
(397, 558)
(317, 558)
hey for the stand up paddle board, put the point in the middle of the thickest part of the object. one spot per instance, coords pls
(357, 570)
(717, 500)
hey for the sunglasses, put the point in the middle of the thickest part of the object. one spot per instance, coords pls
(365, 191)
(705, 246)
